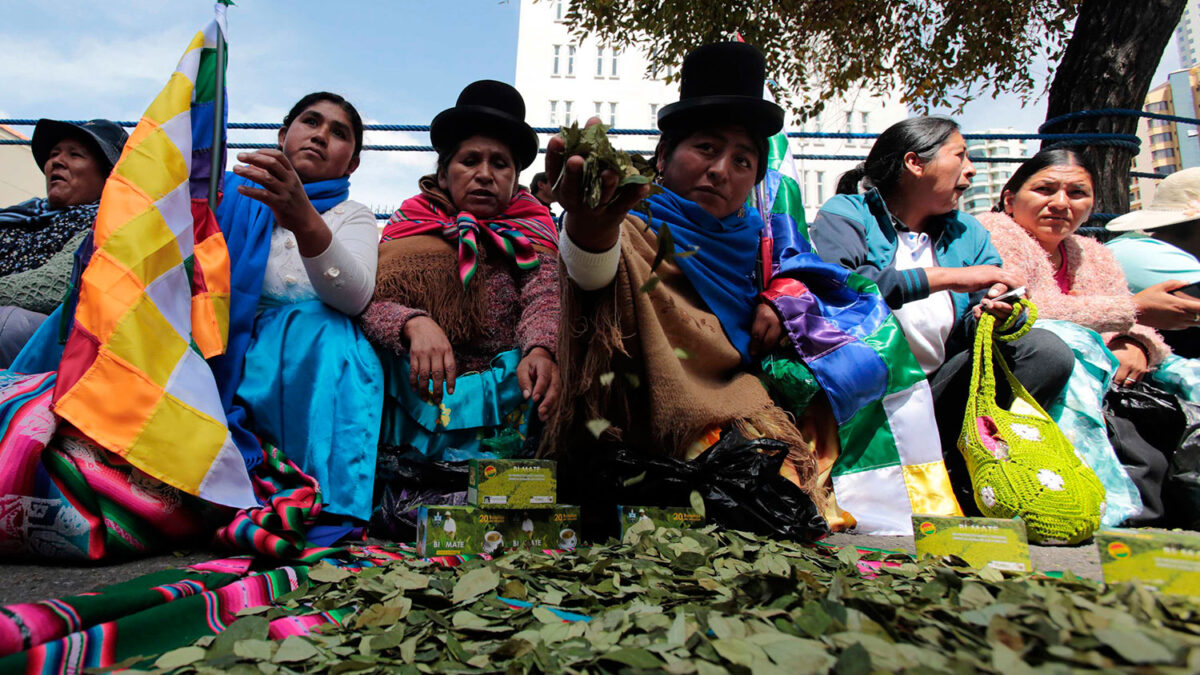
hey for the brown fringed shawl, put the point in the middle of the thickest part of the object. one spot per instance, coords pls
(422, 270)
(675, 375)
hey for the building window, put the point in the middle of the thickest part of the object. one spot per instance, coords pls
(612, 114)
(864, 119)
(1164, 170)
(553, 113)
(849, 121)
(614, 52)
(557, 53)
(820, 187)
(599, 108)
(1155, 139)
(558, 10)
(1165, 153)
(1154, 124)
(567, 113)
(1157, 106)
(600, 62)
(653, 115)
(570, 60)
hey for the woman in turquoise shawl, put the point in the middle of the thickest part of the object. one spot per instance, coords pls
(298, 374)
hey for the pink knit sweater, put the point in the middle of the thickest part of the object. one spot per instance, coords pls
(523, 313)
(1099, 298)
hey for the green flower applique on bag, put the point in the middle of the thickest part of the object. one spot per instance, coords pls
(1021, 464)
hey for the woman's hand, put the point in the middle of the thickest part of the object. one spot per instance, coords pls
(1132, 360)
(767, 330)
(971, 279)
(283, 192)
(539, 380)
(430, 357)
(1159, 307)
(996, 280)
(592, 229)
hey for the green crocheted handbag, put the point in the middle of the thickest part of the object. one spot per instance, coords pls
(1020, 462)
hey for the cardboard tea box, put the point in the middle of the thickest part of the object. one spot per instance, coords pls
(511, 483)
(463, 530)
(1168, 562)
(459, 530)
(998, 543)
(543, 529)
(662, 516)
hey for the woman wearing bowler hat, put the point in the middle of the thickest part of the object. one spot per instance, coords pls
(466, 307)
(680, 347)
(38, 237)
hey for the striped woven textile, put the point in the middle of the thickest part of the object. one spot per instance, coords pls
(134, 622)
(524, 223)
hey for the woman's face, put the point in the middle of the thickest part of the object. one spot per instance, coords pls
(320, 143)
(73, 174)
(481, 177)
(1052, 203)
(945, 178)
(716, 168)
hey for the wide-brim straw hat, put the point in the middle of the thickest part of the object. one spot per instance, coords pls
(1176, 200)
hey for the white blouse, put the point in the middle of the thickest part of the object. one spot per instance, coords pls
(342, 276)
(927, 323)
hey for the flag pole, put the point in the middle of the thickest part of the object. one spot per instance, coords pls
(218, 144)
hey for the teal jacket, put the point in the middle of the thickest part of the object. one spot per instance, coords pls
(858, 232)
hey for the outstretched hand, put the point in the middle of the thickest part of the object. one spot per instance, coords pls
(1159, 306)
(540, 381)
(282, 189)
(594, 229)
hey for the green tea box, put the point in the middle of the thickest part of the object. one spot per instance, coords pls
(681, 517)
(459, 530)
(542, 529)
(1168, 562)
(999, 543)
(511, 483)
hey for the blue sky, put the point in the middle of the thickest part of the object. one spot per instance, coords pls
(399, 61)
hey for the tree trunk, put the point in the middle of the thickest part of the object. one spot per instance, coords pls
(1110, 63)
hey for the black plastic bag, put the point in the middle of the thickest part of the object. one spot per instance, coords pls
(405, 483)
(1181, 495)
(1156, 436)
(738, 479)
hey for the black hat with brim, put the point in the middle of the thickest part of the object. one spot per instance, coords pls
(105, 138)
(722, 83)
(487, 108)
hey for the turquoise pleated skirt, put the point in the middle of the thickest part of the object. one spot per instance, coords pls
(313, 386)
(486, 416)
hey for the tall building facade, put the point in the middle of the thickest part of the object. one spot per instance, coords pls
(565, 80)
(20, 177)
(990, 177)
(1187, 33)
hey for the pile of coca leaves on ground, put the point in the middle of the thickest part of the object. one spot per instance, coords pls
(708, 601)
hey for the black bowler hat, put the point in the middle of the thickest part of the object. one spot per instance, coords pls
(487, 108)
(105, 138)
(723, 83)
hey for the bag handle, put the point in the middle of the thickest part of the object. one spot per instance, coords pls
(983, 378)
